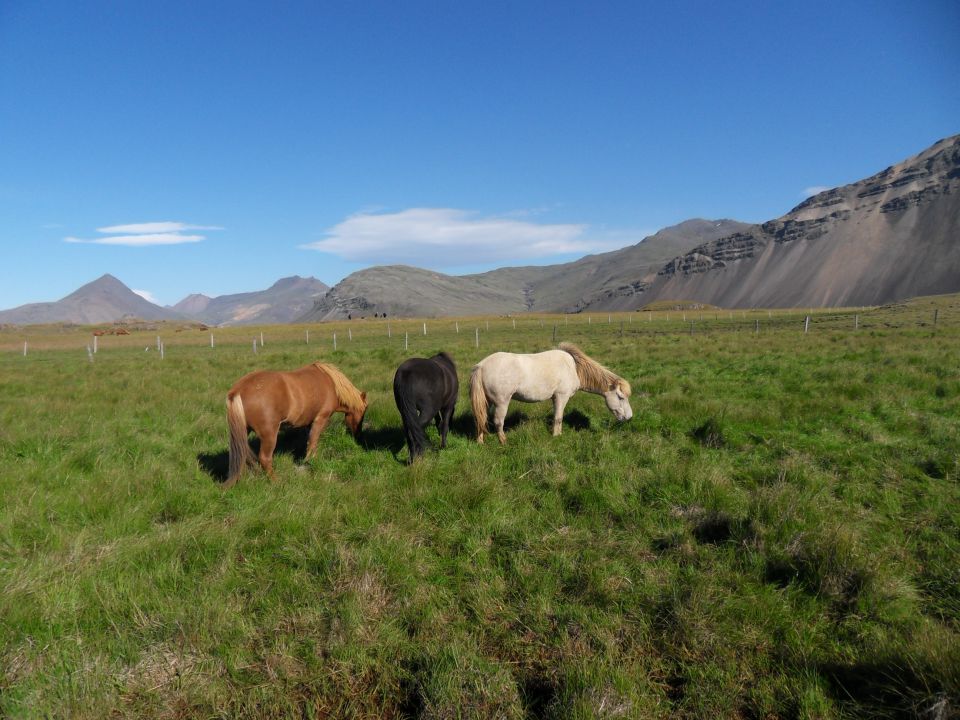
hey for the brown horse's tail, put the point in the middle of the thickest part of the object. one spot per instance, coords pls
(240, 453)
(478, 399)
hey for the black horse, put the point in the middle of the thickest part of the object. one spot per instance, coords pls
(425, 389)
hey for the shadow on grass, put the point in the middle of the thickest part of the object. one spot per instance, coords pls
(465, 425)
(889, 687)
(573, 420)
(291, 441)
(390, 439)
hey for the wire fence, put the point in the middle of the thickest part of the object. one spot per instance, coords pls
(488, 333)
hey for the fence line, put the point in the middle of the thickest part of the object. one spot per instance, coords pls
(579, 328)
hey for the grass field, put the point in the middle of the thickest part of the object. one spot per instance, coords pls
(776, 533)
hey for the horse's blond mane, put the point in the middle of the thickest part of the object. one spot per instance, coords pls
(594, 376)
(347, 394)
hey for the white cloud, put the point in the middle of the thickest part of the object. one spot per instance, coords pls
(145, 234)
(156, 227)
(139, 240)
(815, 190)
(147, 295)
(448, 237)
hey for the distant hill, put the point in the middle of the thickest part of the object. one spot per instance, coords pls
(401, 290)
(106, 299)
(282, 302)
(892, 236)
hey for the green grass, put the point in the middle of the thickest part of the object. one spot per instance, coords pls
(776, 533)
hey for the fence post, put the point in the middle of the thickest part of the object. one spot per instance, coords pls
(350, 334)
(161, 351)
(424, 328)
(261, 339)
(936, 315)
(24, 348)
(458, 327)
(406, 341)
(806, 324)
(308, 337)
(389, 334)
(334, 342)
(94, 344)
(514, 323)
(90, 353)
(856, 322)
(211, 339)
(254, 346)
(478, 337)
(757, 327)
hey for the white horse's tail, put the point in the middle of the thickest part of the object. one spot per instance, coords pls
(240, 453)
(478, 399)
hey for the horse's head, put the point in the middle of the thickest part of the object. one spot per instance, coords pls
(354, 417)
(618, 401)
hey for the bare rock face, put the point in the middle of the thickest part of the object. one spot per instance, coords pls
(891, 236)
(284, 301)
(606, 280)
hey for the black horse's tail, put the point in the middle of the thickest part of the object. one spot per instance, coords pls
(416, 437)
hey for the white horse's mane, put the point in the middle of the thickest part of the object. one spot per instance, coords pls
(593, 376)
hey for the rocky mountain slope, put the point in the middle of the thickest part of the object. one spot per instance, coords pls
(891, 236)
(284, 301)
(401, 290)
(106, 299)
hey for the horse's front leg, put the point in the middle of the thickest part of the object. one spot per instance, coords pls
(316, 427)
(559, 403)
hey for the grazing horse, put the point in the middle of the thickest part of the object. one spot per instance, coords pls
(425, 389)
(532, 378)
(262, 400)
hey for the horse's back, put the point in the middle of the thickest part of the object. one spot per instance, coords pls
(529, 377)
(425, 377)
(294, 396)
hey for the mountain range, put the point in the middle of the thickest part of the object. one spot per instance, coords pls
(283, 302)
(888, 237)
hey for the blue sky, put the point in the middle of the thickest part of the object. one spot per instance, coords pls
(216, 147)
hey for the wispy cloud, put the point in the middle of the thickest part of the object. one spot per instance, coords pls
(449, 237)
(815, 190)
(145, 234)
(147, 295)
(139, 240)
(155, 227)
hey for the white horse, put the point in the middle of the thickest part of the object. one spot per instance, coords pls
(535, 377)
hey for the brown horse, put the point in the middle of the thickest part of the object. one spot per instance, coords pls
(262, 400)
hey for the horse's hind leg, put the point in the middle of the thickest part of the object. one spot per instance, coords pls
(317, 427)
(499, 416)
(268, 443)
(444, 425)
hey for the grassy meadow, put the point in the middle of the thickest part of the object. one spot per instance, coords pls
(776, 533)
